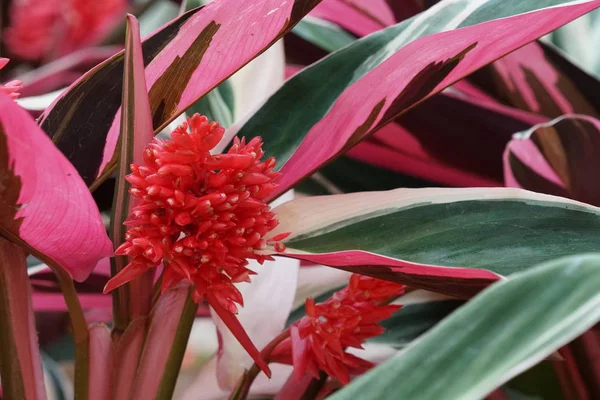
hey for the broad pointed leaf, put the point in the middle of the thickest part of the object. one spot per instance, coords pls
(184, 60)
(378, 77)
(559, 157)
(44, 204)
(493, 337)
(411, 235)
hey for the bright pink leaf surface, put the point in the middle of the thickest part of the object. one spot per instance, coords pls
(360, 17)
(100, 362)
(402, 80)
(56, 215)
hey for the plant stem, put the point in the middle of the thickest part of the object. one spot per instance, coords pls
(81, 334)
(20, 362)
(243, 387)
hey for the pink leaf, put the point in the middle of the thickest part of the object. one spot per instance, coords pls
(100, 362)
(126, 357)
(412, 75)
(44, 203)
(358, 16)
(161, 340)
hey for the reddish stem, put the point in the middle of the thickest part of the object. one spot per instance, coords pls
(243, 387)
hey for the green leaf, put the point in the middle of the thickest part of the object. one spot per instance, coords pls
(217, 105)
(412, 320)
(323, 34)
(345, 175)
(509, 327)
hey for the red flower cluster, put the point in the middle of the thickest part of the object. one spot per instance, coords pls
(10, 88)
(347, 319)
(201, 215)
(50, 28)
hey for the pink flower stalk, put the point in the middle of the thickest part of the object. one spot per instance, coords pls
(11, 88)
(317, 341)
(41, 29)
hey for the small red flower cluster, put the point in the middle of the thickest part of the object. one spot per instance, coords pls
(347, 319)
(50, 28)
(10, 88)
(201, 215)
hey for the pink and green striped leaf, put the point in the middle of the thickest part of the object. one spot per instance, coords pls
(184, 60)
(380, 76)
(559, 157)
(44, 204)
(453, 241)
(507, 329)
